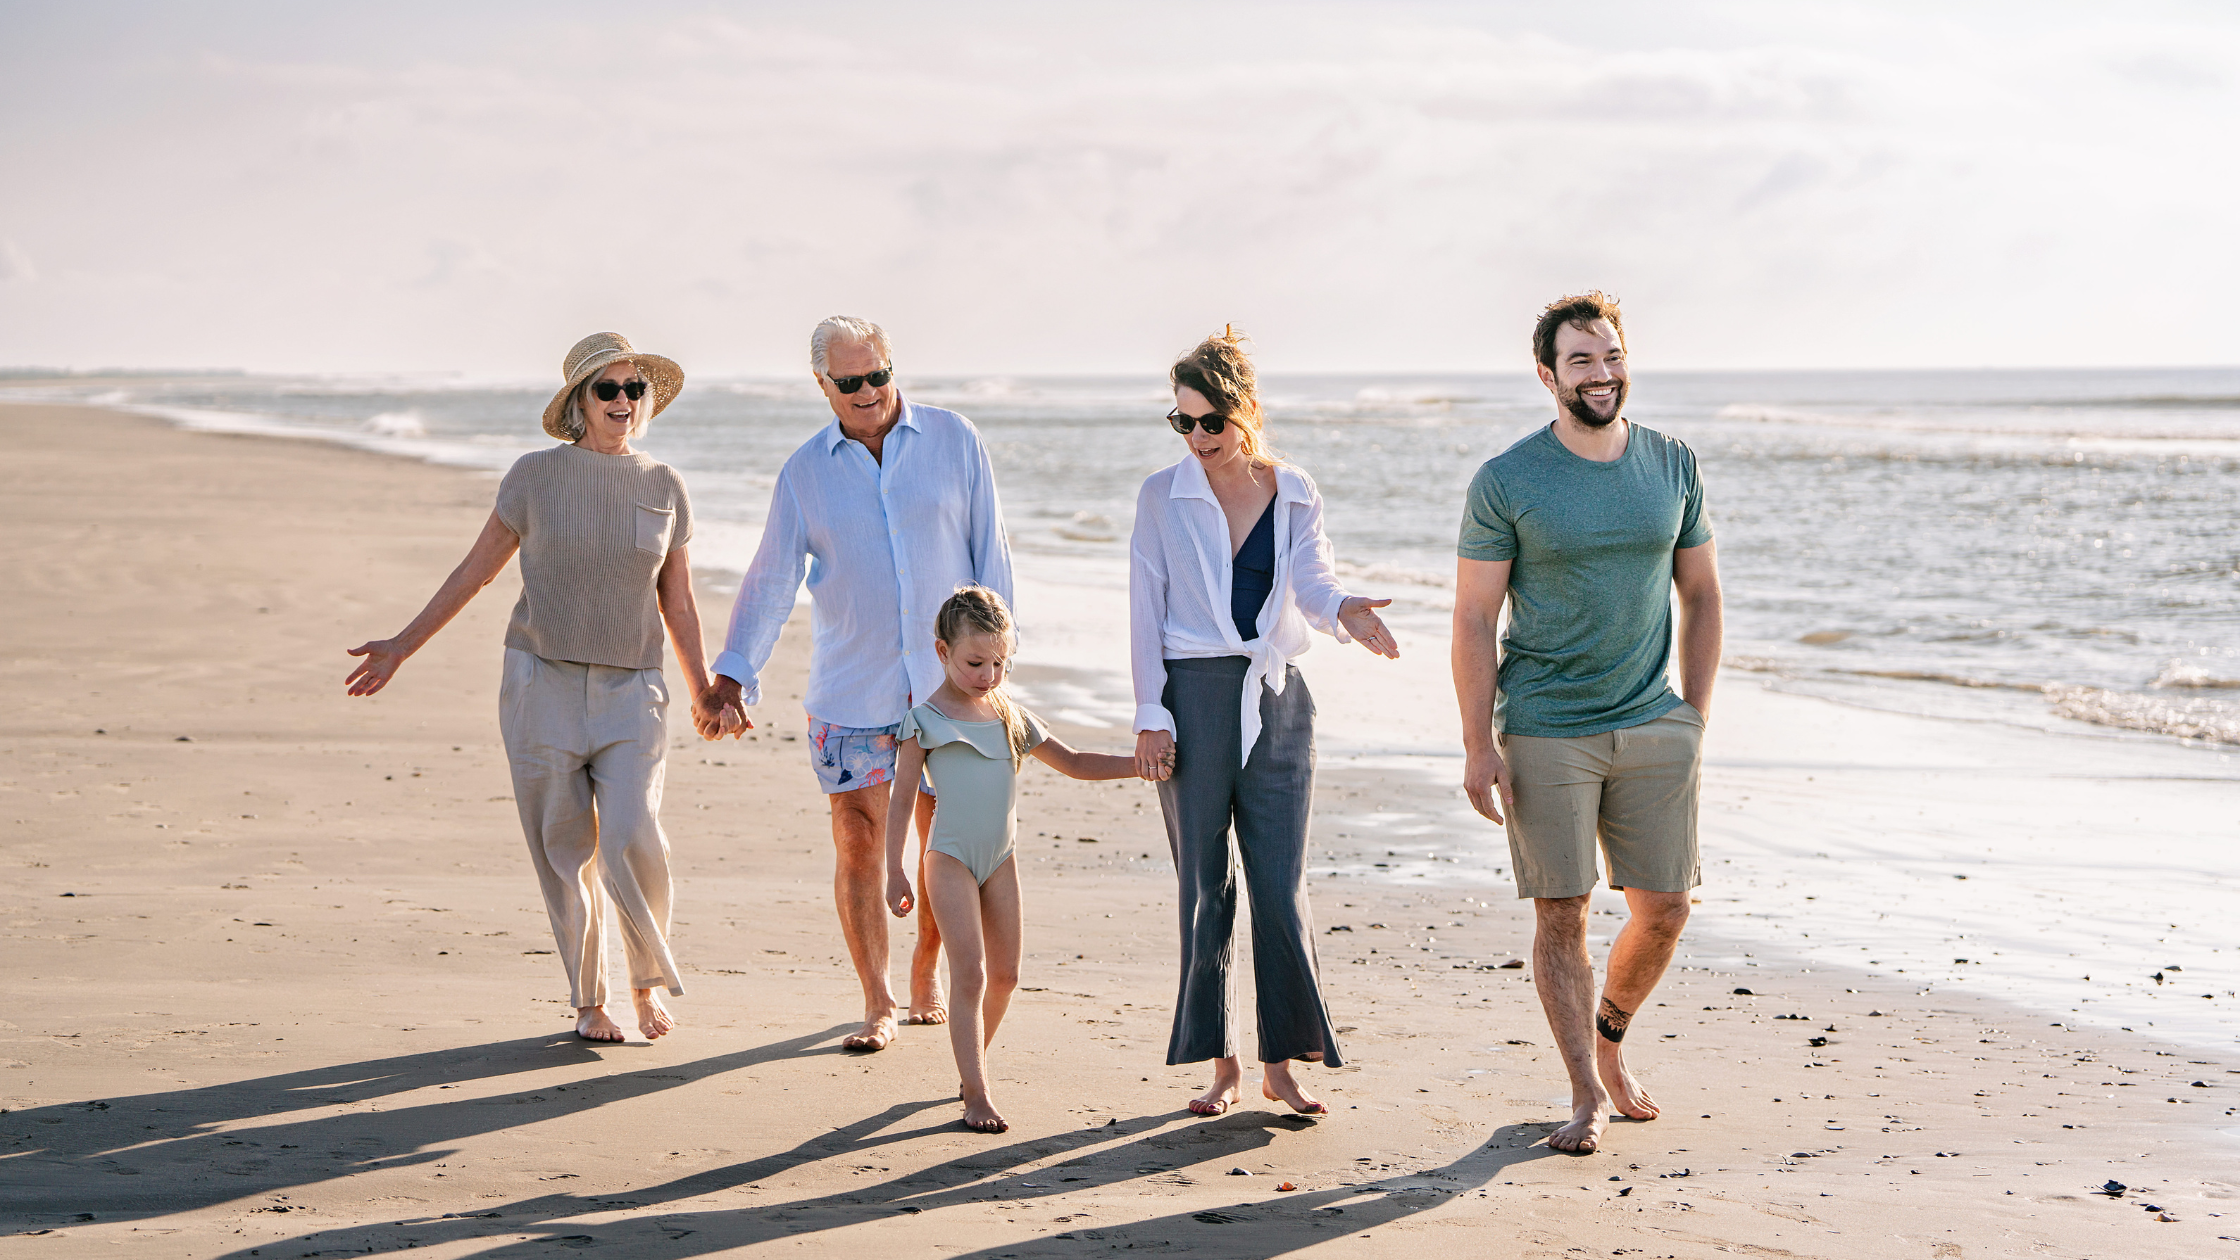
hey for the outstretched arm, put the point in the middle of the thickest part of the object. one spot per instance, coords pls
(485, 560)
(1695, 576)
(1322, 599)
(1075, 764)
(1480, 588)
(909, 766)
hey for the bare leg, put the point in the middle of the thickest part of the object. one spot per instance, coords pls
(1638, 958)
(926, 1004)
(956, 900)
(1564, 975)
(654, 1019)
(859, 891)
(1002, 933)
(592, 1024)
(1228, 1074)
(1278, 1085)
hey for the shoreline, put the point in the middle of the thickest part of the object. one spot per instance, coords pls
(1364, 689)
(277, 984)
(2182, 698)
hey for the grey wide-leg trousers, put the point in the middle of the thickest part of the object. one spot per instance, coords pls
(589, 749)
(1267, 799)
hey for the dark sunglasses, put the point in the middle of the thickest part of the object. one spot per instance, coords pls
(606, 390)
(850, 384)
(1212, 422)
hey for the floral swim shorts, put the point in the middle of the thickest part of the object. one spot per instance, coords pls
(851, 757)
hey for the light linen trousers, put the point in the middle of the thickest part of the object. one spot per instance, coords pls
(589, 750)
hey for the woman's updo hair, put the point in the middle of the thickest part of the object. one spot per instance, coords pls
(978, 610)
(1219, 369)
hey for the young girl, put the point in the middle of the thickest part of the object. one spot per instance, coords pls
(970, 738)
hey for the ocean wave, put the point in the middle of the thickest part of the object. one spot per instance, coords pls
(2186, 674)
(2202, 719)
(403, 424)
(1395, 573)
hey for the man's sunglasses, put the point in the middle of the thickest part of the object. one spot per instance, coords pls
(606, 390)
(1212, 422)
(850, 384)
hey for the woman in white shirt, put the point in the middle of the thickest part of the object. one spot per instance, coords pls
(1228, 569)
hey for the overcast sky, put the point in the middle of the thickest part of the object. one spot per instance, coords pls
(1084, 187)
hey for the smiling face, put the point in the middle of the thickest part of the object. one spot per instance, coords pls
(867, 410)
(976, 663)
(610, 424)
(1213, 451)
(1589, 379)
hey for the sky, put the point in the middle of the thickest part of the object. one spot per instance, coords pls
(1088, 187)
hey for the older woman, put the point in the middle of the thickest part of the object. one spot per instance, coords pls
(601, 530)
(1229, 567)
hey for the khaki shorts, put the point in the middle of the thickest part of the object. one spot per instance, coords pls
(1634, 789)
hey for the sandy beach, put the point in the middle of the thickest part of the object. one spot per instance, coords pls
(257, 932)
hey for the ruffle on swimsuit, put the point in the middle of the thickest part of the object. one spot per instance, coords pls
(978, 787)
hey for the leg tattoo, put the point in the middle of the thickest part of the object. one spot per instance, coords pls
(1611, 1022)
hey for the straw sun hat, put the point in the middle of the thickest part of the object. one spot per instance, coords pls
(593, 355)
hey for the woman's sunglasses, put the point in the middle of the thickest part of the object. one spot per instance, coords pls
(1212, 422)
(850, 384)
(606, 390)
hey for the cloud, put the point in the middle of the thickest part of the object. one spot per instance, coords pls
(15, 265)
(1089, 188)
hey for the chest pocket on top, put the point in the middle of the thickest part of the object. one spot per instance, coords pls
(654, 526)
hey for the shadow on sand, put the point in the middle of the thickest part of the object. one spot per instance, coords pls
(181, 1150)
(1268, 1224)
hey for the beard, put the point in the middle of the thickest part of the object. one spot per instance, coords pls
(1580, 410)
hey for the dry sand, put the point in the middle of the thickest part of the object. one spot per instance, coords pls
(277, 984)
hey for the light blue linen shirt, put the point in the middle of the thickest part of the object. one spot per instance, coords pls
(884, 541)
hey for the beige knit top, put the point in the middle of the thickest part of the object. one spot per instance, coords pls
(594, 530)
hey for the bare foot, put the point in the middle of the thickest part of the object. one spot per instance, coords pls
(592, 1024)
(1227, 1075)
(927, 1006)
(877, 1032)
(1626, 1094)
(980, 1114)
(653, 1018)
(1278, 1085)
(1583, 1136)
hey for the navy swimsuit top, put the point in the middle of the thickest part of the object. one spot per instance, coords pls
(1254, 575)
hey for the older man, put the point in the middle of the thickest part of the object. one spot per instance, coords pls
(889, 508)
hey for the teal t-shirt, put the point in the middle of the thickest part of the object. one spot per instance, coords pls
(1590, 594)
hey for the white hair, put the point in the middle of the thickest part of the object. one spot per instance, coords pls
(846, 330)
(572, 420)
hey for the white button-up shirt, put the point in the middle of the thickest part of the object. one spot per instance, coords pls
(884, 541)
(1180, 567)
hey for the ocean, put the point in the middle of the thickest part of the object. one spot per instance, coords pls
(2051, 546)
(2053, 551)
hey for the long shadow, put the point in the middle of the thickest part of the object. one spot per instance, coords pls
(171, 1151)
(1143, 1146)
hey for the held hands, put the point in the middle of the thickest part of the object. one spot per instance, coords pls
(899, 899)
(1357, 614)
(717, 711)
(1155, 755)
(1485, 777)
(382, 658)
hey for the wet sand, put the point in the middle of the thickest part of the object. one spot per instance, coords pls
(277, 985)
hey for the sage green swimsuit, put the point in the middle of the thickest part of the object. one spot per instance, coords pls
(976, 786)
